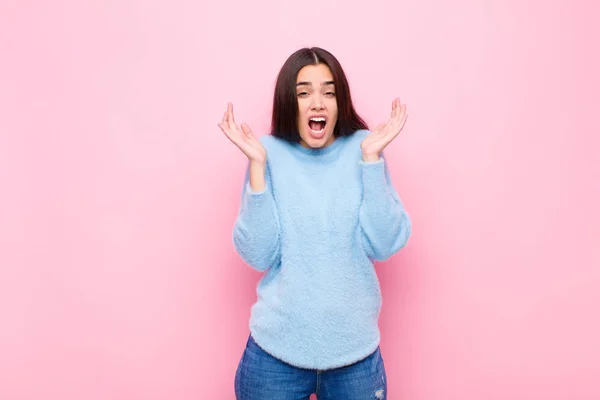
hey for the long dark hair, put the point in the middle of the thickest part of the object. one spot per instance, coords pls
(285, 103)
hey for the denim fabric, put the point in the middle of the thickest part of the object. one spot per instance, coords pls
(260, 376)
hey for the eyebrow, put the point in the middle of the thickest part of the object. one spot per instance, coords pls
(303, 83)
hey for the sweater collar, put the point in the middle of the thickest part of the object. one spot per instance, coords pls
(321, 150)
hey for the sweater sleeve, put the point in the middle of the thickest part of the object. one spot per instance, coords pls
(256, 229)
(385, 224)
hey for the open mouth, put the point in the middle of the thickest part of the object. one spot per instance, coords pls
(317, 126)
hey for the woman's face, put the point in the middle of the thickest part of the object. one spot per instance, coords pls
(317, 106)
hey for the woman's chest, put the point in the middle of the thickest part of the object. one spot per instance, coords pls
(318, 198)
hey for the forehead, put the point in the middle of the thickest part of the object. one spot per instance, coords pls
(315, 74)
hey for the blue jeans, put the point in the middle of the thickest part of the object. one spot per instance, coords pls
(260, 376)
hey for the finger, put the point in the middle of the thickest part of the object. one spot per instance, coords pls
(404, 118)
(388, 124)
(400, 124)
(398, 115)
(246, 129)
(225, 130)
(378, 128)
(401, 108)
(231, 119)
(224, 120)
(402, 114)
(233, 138)
(391, 128)
(395, 103)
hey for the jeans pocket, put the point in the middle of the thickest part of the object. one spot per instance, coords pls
(254, 348)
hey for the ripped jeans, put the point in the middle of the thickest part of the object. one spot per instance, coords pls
(260, 376)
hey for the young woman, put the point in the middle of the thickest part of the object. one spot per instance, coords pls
(317, 209)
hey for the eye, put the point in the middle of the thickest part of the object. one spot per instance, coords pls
(302, 94)
(330, 94)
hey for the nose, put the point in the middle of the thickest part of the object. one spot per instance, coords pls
(317, 102)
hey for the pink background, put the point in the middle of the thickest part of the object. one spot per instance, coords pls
(118, 276)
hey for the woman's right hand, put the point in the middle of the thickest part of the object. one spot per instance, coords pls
(243, 138)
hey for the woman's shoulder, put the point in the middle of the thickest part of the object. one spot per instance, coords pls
(268, 139)
(273, 143)
(354, 140)
(360, 134)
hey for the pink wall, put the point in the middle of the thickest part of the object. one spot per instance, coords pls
(118, 277)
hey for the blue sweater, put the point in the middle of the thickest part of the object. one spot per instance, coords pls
(315, 230)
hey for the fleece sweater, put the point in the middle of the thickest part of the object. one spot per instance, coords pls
(315, 231)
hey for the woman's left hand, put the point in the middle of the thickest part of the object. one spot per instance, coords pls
(381, 136)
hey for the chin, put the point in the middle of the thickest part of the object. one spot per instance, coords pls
(315, 142)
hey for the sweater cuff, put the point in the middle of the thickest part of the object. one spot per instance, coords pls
(380, 161)
(374, 174)
(253, 193)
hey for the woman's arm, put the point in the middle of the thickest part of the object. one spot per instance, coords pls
(256, 229)
(255, 233)
(385, 224)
